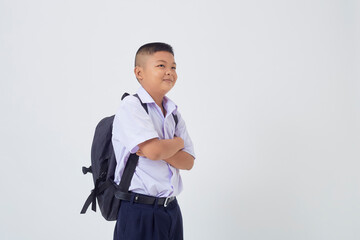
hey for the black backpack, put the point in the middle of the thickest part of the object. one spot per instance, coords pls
(103, 164)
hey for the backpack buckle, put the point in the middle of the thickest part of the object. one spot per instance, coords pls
(85, 170)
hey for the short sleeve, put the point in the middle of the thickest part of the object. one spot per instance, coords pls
(132, 125)
(182, 132)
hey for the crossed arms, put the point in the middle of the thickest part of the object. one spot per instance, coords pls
(167, 149)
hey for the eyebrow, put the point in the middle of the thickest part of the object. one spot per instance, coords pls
(165, 61)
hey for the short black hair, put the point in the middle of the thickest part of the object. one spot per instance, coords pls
(151, 48)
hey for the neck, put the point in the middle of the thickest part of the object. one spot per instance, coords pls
(158, 99)
(159, 102)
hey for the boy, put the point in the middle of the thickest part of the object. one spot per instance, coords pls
(153, 212)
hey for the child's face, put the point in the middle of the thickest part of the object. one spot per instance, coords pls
(157, 75)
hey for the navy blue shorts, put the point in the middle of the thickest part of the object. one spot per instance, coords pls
(149, 222)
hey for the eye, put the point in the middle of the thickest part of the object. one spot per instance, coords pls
(161, 65)
(174, 68)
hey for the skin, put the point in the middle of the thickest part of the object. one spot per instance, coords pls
(157, 75)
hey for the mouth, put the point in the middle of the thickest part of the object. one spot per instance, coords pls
(168, 80)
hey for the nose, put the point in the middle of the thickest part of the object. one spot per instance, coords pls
(170, 71)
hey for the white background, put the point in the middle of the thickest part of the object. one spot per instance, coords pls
(270, 91)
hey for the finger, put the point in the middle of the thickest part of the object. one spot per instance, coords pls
(139, 153)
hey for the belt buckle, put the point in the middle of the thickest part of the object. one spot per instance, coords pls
(167, 201)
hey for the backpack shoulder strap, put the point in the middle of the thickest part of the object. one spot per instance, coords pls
(175, 119)
(143, 104)
(132, 161)
(146, 108)
(137, 96)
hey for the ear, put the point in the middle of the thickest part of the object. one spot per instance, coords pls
(138, 73)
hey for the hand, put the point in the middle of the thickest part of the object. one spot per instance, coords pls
(181, 141)
(140, 153)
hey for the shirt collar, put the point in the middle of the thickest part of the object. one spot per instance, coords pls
(145, 96)
(168, 104)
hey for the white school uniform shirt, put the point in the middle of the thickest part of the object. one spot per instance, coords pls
(132, 126)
